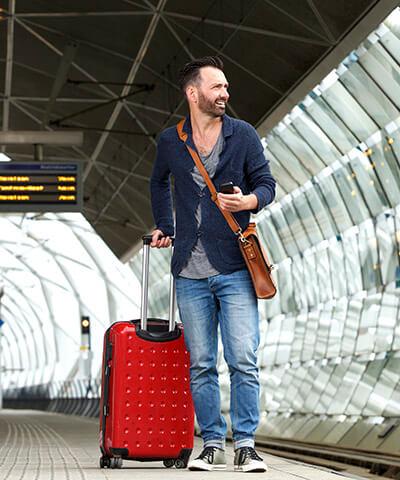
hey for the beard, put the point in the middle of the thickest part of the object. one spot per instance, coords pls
(209, 107)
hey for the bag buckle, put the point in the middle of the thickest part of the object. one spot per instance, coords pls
(242, 238)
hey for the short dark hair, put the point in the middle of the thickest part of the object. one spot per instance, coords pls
(190, 73)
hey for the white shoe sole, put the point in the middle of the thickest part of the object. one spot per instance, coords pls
(206, 468)
(249, 468)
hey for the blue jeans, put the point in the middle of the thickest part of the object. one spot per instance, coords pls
(230, 301)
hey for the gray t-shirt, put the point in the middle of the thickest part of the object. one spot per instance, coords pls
(198, 265)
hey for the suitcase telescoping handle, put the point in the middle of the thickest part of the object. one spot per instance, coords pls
(147, 239)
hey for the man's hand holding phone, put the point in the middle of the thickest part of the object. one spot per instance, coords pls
(159, 240)
(231, 199)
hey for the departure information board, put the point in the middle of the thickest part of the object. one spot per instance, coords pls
(41, 187)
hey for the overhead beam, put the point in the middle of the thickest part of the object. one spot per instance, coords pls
(321, 21)
(91, 100)
(32, 137)
(293, 18)
(61, 77)
(120, 13)
(9, 65)
(131, 77)
(245, 28)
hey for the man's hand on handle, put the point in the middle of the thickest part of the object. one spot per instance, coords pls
(159, 240)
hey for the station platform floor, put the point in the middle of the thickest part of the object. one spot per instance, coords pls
(38, 445)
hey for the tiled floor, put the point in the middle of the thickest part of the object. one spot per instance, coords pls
(42, 446)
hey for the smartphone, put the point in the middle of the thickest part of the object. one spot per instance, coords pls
(226, 187)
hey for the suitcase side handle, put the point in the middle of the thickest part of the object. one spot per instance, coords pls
(145, 287)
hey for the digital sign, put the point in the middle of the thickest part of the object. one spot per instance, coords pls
(41, 187)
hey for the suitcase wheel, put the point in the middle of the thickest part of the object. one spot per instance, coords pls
(116, 463)
(169, 463)
(179, 463)
(105, 462)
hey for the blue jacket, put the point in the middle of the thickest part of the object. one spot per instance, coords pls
(242, 162)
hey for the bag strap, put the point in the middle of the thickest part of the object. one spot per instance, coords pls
(233, 224)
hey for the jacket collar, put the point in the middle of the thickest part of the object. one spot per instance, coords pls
(227, 126)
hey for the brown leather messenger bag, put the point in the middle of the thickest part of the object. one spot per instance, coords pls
(249, 242)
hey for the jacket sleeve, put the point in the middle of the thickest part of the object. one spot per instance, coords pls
(160, 189)
(257, 171)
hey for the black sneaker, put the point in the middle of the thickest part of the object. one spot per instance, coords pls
(211, 458)
(247, 460)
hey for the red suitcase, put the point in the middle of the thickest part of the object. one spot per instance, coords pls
(146, 409)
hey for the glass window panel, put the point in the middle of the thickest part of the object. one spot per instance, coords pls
(311, 335)
(352, 325)
(387, 171)
(286, 287)
(311, 161)
(336, 257)
(351, 195)
(387, 320)
(391, 379)
(350, 380)
(306, 387)
(321, 212)
(298, 282)
(384, 70)
(345, 106)
(393, 155)
(368, 183)
(334, 337)
(310, 288)
(285, 339)
(391, 42)
(362, 390)
(271, 379)
(319, 379)
(298, 339)
(282, 176)
(294, 388)
(284, 400)
(339, 318)
(323, 273)
(335, 202)
(352, 261)
(270, 236)
(296, 225)
(271, 341)
(385, 234)
(284, 231)
(391, 152)
(325, 396)
(316, 138)
(280, 192)
(334, 390)
(367, 328)
(368, 254)
(310, 224)
(333, 127)
(325, 317)
(286, 158)
(369, 95)
(376, 400)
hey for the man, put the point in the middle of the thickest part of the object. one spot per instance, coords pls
(212, 283)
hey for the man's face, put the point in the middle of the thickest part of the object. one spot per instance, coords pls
(212, 92)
